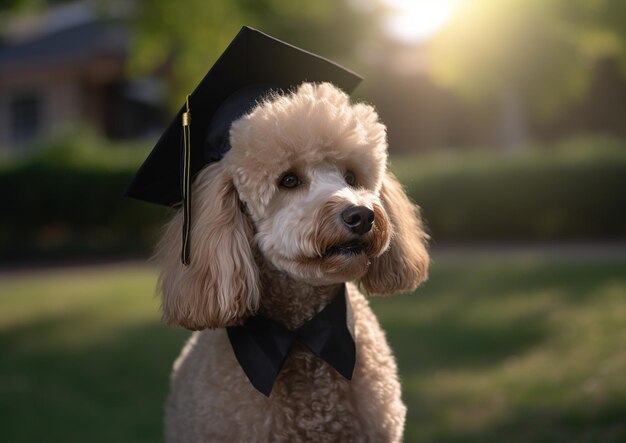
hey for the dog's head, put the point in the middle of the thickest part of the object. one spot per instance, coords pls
(305, 187)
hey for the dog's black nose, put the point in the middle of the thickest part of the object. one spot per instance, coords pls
(359, 219)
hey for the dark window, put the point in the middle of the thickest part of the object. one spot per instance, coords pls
(25, 117)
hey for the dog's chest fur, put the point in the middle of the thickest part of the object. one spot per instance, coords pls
(310, 401)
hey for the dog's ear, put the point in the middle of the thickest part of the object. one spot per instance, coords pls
(220, 286)
(404, 265)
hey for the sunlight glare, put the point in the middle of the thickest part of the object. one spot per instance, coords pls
(413, 21)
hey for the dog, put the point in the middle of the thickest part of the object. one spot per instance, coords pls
(301, 204)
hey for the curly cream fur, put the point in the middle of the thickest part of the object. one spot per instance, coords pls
(220, 285)
(405, 264)
(259, 248)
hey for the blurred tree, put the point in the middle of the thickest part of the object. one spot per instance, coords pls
(189, 36)
(531, 56)
(12, 5)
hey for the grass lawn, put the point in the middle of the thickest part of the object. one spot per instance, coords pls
(507, 350)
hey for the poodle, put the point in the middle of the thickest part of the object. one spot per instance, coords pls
(301, 206)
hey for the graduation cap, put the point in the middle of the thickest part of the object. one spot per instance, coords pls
(252, 65)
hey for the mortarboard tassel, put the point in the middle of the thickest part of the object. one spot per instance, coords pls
(186, 182)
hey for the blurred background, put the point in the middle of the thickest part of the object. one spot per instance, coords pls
(506, 123)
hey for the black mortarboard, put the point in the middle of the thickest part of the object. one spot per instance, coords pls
(253, 64)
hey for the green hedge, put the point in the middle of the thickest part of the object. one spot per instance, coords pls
(67, 199)
(574, 192)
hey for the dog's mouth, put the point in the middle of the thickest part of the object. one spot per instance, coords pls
(349, 248)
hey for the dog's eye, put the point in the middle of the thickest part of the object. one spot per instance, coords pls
(350, 178)
(290, 180)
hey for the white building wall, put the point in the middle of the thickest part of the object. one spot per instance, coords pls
(61, 104)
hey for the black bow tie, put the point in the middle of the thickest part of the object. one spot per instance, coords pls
(262, 345)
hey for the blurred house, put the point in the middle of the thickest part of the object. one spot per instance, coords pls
(66, 68)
